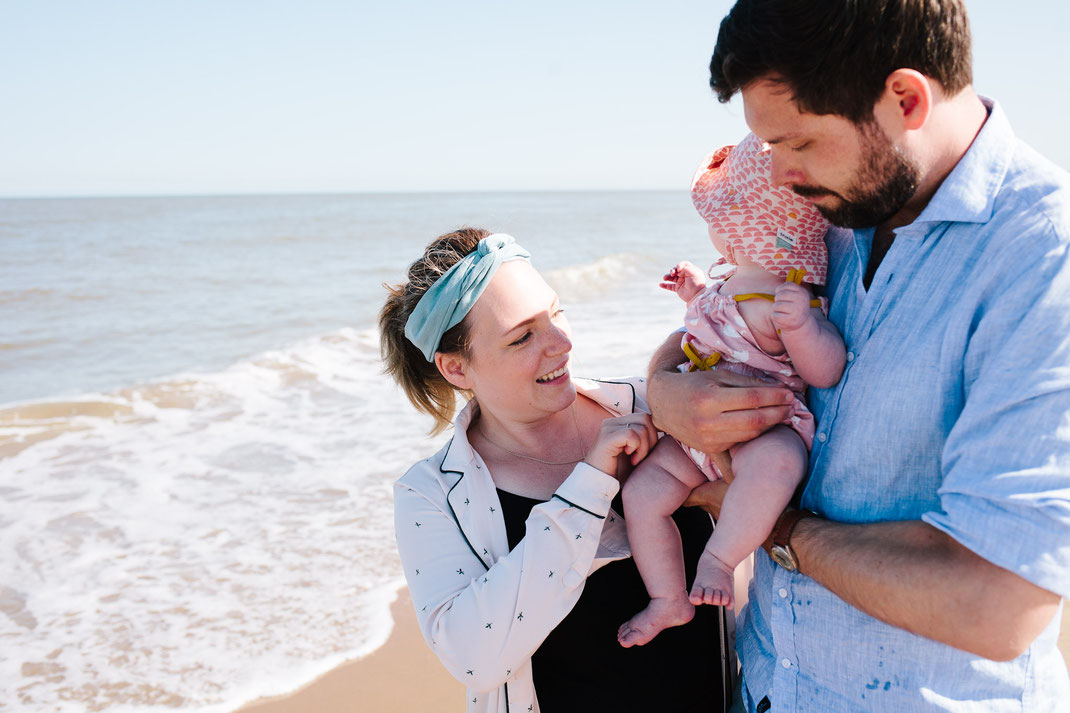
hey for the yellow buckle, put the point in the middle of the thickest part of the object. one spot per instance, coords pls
(697, 362)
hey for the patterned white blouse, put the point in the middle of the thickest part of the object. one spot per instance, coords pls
(482, 609)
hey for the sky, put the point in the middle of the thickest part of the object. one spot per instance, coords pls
(257, 96)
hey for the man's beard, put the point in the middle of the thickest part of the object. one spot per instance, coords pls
(883, 185)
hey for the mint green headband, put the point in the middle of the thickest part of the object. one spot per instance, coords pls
(453, 294)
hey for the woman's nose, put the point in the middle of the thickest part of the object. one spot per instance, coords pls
(560, 342)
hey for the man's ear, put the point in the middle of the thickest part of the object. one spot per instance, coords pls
(454, 369)
(907, 101)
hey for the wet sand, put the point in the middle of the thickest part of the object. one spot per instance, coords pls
(401, 677)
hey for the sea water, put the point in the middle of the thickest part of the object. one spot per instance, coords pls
(197, 443)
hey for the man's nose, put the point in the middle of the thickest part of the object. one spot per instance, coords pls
(783, 172)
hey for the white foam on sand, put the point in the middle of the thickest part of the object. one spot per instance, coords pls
(199, 541)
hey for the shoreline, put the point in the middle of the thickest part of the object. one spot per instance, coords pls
(401, 675)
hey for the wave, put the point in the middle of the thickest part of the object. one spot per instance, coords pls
(244, 513)
(184, 534)
(601, 277)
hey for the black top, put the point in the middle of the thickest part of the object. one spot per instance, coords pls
(581, 667)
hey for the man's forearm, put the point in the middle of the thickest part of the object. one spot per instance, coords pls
(668, 355)
(912, 576)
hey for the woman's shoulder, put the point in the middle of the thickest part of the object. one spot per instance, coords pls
(427, 473)
(618, 394)
(442, 469)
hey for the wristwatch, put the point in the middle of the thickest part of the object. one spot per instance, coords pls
(781, 551)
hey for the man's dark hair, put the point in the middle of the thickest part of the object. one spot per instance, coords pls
(835, 55)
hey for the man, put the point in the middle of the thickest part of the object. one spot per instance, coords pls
(926, 568)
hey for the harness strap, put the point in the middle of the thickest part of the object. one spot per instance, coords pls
(794, 275)
(697, 362)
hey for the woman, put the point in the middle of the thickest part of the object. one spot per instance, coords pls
(517, 563)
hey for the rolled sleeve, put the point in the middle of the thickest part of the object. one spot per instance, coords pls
(1006, 488)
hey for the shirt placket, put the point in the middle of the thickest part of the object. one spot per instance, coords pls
(859, 322)
(854, 332)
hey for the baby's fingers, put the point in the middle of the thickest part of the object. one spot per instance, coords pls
(648, 438)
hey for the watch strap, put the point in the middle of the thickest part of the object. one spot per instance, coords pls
(786, 523)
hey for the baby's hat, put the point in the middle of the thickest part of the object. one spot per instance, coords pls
(772, 225)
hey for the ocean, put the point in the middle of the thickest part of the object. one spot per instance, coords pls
(197, 444)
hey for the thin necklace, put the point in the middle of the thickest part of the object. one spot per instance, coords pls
(579, 439)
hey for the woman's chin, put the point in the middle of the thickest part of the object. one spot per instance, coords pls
(557, 394)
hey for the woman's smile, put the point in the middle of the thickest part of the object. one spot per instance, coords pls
(556, 375)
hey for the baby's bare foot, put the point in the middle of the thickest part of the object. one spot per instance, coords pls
(659, 615)
(713, 582)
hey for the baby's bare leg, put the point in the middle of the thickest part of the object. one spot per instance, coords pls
(767, 471)
(652, 493)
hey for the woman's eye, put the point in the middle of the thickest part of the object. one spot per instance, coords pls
(801, 146)
(518, 342)
(560, 311)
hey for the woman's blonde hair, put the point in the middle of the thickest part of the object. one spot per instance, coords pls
(426, 388)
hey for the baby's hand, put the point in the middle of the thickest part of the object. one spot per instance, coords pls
(631, 435)
(791, 307)
(685, 279)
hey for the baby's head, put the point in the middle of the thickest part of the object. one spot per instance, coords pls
(771, 225)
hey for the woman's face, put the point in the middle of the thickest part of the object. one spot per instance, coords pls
(520, 345)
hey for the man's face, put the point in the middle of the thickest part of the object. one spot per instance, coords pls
(852, 173)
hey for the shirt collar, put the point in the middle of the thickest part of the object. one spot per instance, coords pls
(617, 397)
(968, 194)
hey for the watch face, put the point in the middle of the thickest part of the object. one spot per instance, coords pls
(784, 557)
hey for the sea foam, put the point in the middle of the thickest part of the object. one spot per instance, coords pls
(193, 541)
(168, 544)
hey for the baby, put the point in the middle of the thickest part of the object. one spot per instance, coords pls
(755, 320)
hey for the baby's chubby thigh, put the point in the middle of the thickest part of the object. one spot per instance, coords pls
(775, 461)
(662, 481)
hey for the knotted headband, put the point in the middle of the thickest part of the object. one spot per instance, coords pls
(453, 294)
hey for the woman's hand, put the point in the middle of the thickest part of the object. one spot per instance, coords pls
(632, 434)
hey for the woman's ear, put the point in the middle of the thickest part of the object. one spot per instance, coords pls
(454, 369)
(907, 101)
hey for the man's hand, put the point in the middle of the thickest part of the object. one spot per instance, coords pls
(708, 496)
(712, 410)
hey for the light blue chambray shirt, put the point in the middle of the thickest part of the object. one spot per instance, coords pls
(954, 409)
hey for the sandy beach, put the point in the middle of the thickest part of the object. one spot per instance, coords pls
(404, 676)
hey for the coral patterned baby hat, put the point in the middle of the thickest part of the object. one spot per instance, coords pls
(771, 225)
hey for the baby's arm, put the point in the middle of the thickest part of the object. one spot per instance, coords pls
(811, 341)
(685, 279)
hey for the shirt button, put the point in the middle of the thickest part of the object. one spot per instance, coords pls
(822, 437)
(850, 356)
(783, 593)
(785, 663)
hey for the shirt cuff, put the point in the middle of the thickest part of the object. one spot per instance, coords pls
(589, 489)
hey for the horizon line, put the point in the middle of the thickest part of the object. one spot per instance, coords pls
(255, 194)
